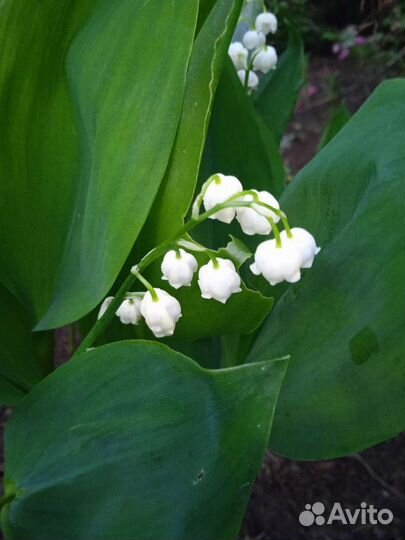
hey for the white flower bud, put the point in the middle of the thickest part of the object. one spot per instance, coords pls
(253, 39)
(104, 306)
(238, 55)
(265, 59)
(253, 79)
(266, 23)
(129, 311)
(253, 220)
(220, 189)
(304, 243)
(178, 268)
(277, 264)
(162, 314)
(219, 282)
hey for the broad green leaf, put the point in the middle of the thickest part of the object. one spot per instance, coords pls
(242, 313)
(339, 117)
(238, 142)
(21, 364)
(90, 97)
(206, 63)
(204, 8)
(135, 441)
(279, 90)
(343, 324)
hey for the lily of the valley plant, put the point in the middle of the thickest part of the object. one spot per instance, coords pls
(162, 323)
(280, 258)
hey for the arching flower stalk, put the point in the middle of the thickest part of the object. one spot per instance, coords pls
(279, 258)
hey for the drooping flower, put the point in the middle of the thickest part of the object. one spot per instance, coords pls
(254, 220)
(129, 311)
(238, 54)
(219, 281)
(266, 23)
(304, 243)
(253, 79)
(219, 190)
(253, 39)
(161, 314)
(265, 59)
(277, 263)
(178, 268)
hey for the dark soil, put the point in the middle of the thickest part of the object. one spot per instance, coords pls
(284, 487)
(330, 82)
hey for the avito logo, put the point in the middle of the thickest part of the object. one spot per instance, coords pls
(365, 515)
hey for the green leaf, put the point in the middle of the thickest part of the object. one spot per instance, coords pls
(235, 250)
(339, 117)
(343, 324)
(91, 93)
(279, 89)
(238, 142)
(206, 63)
(135, 441)
(242, 313)
(21, 364)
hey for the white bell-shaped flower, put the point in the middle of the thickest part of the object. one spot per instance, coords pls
(304, 243)
(129, 311)
(161, 315)
(277, 264)
(219, 190)
(178, 268)
(104, 306)
(254, 220)
(253, 79)
(266, 23)
(253, 39)
(219, 281)
(238, 54)
(265, 59)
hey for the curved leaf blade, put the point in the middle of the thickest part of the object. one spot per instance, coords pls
(125, 431)
(21, 367)
(279, 89)
(339, 118)
(87, 134)
(343, 323)
(238, 141)
(206, 63)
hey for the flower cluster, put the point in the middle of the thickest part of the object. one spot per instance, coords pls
(280, 258)
(253, 53)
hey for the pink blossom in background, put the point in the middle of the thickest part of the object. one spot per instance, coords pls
(312, 90)
(336, 48)
(360, 41)
(344, 54)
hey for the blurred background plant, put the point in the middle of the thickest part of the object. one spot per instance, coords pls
(372, 30)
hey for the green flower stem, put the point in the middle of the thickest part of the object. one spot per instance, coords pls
(286, 225)
(148, 259)
(276, 232)
(161, 249)
(145, 283)
(214, 260)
